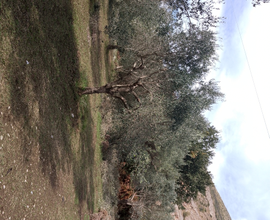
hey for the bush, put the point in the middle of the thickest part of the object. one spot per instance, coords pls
(185, 214)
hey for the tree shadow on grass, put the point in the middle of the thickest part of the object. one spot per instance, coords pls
(43, 74)
(85, 179)
(83, 170)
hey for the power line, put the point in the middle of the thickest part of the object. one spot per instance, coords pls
(251, 75)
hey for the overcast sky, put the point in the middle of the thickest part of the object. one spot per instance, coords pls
(241, 167)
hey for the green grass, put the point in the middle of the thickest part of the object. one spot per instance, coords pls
(46, 53)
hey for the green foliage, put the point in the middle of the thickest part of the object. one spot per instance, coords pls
(185, 214)
(166, 142)
(129, 14)
(195, 13)
(194, 174)
(193, 101)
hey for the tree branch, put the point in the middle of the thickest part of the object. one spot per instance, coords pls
(122, 99)
(136, 96)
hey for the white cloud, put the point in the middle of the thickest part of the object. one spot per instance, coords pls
(218, 162)
(242, 160)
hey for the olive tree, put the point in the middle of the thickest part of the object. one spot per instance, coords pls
(161, 81)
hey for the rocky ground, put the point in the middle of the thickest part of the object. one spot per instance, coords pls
(204, 207)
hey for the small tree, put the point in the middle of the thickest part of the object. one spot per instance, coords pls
(194, 176)
(130, 80)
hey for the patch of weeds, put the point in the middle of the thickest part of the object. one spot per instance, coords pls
(202, 209)
(83, 80)
(86, 217)
(84, 113)
(185, 214)
(99, 121)
(76, 199)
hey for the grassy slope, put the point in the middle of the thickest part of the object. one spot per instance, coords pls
(49, 136)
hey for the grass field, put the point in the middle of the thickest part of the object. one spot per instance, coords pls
(49, 136)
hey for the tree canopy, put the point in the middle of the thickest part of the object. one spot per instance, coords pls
(167, 48)
(258, 2)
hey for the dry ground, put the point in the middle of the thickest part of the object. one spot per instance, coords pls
(204, 207)
(49, 137)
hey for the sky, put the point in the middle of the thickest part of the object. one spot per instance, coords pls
(241, 166)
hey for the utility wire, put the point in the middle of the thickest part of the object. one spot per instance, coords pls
(251, 75)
